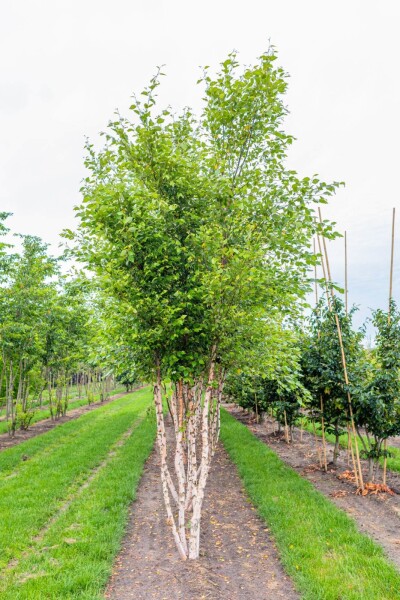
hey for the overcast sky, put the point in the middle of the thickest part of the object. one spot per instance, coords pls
(65, 67)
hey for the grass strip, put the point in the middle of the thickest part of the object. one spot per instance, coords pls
(44, 413)
(318, 543)
(11, 458)
(75, 558)
(32, 493)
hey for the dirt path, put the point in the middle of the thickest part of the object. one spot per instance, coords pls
(238, 559)
(376, 515)
(46, 424)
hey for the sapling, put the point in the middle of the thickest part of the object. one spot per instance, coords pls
(378, 408)
(322, 366)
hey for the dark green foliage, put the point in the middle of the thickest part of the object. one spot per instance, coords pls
(261, 395)
(378, 407)
(322, 365)
(194, 225)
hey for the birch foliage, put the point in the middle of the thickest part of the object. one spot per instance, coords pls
(196, 225)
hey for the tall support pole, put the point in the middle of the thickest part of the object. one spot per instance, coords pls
(346, 304)
(325, 464)
(327, 276)
(315, 275)
(346, 289)
(391, 261)
(390, 298)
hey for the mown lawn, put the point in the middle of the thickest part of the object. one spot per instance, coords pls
(44, 412)
(58, 534)
(319, 544)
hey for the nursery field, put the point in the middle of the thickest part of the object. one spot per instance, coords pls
(259, 458)
(69, 530)
(74, 402)
(64, 498)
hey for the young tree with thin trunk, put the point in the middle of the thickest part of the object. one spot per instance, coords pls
(322, 366)
(378, 406)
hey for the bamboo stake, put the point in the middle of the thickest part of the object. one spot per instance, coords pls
(315, 276)
(344, 364)
(345, 274)
(390, 298)
(324, 462)
(391, 261)
(346, 293)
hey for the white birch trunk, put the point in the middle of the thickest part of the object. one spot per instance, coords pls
(193, 416)
(198, 490)
(167, 484)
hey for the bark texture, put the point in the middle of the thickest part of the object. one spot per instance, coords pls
(195, 412)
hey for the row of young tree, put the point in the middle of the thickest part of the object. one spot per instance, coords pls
(321, 393)
(51, 335)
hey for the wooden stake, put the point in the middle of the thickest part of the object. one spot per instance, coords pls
(345, 274)
(391, 262)
(315, 276)
(344, 363)
(390, 298)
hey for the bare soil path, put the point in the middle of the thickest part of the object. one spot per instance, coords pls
(238, 558)
(46, 424)
(377, 515)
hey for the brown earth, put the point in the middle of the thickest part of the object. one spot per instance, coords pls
(46, 424)
(376, 515)
(238, 559)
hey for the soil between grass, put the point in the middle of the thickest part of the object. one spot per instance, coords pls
(376, 515)
(238, 557)
(46, 424)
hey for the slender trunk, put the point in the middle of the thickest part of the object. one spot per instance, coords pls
(336, 450)
(194, 415)
(180, 463)
(167, 484)
(286, 428)
(198, 492)
(348, 444)
(317, 443)
(384, 461)
(50, 392)
(371, 463)
(10, 398)
(323, 433)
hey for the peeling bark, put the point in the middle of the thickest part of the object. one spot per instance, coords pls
(195, 415)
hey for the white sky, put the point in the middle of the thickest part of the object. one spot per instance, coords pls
(66, 65)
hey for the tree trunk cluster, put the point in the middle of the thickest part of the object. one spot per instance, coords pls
(195, 413)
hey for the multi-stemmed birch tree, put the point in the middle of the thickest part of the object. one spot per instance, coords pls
(201, 235)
